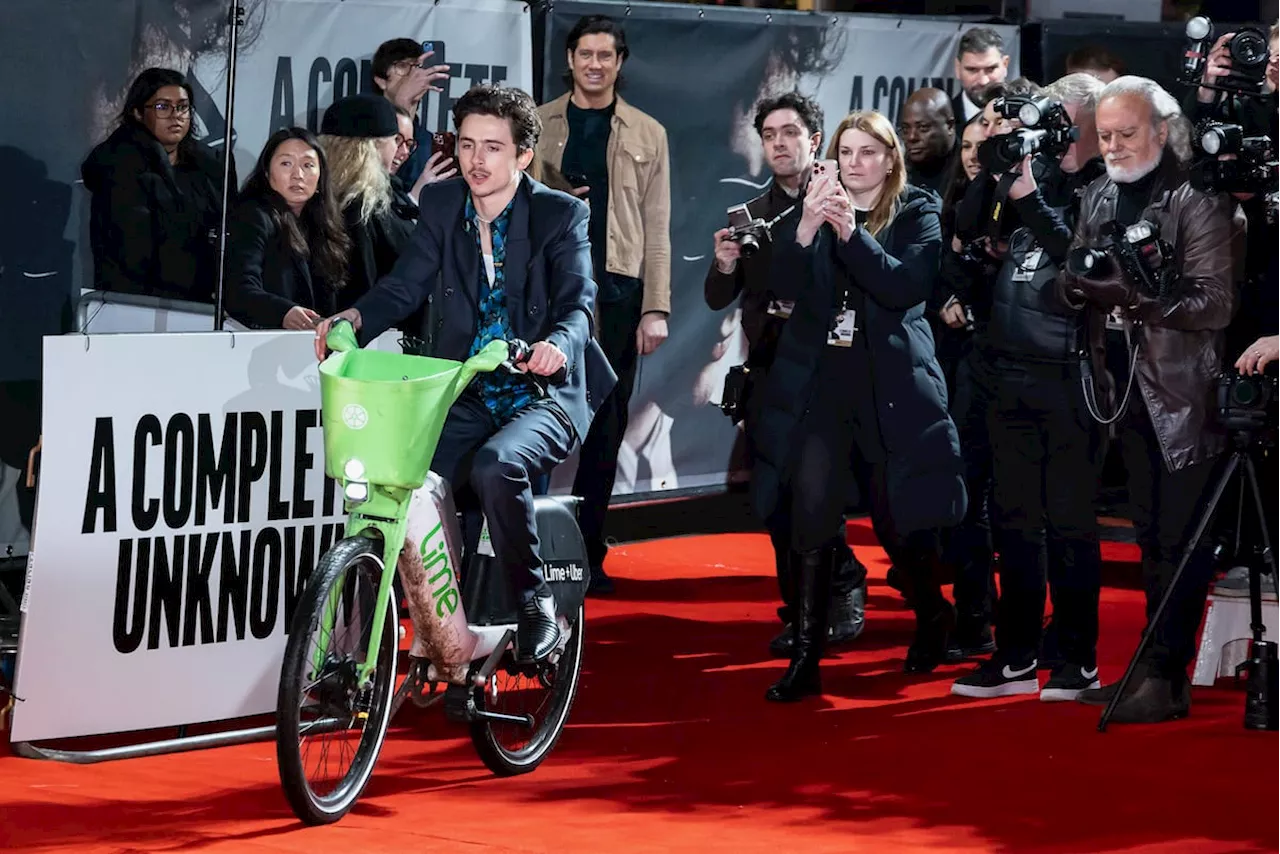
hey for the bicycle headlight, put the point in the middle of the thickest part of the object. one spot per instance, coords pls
(356, 492)
(354, 469)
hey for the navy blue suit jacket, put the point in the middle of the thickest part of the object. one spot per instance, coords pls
(550, 293)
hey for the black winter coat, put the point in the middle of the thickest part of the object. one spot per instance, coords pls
(152, 224)
(265, 278)
(896, 271)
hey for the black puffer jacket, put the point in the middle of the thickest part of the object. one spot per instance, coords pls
(153, 224)
(896, 270)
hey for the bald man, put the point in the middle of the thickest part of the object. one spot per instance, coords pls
(928, 130)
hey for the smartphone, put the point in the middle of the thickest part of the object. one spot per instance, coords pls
(429, 47)
(827, 167)
(444, 142)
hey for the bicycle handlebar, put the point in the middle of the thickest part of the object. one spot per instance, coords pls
(520, 352)
(341, 337)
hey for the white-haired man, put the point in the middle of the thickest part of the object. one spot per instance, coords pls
(1167, 429)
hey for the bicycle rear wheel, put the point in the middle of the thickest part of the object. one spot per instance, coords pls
(545, 692)
(323, 715)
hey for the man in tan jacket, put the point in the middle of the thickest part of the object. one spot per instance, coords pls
(599, 147)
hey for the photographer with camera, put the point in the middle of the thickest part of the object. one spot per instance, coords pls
(854, 394)
(1045, 448)
(1168, 257)
(790, 129)
(1237, 124)
(969, 266)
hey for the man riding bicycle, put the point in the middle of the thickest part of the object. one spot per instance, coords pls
(498, 256)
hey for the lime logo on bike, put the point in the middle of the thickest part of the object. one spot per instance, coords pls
(443, 585)
(355, 416)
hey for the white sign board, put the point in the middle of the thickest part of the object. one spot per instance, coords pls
(182, 507)
(302, 55)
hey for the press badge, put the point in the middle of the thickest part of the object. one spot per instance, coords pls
(842, 329)
(780, 307)
(1026, 271)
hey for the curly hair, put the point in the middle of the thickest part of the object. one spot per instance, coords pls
(807, 109)
(514, 105)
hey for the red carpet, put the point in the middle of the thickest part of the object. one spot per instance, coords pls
(671, 748)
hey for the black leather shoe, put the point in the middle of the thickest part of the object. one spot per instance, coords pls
(1154, 700)
(537, 631)
(600, 584)
(970, 643)
(847, 620)
(929, 646)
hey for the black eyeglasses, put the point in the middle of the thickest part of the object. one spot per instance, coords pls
(411, 144)
(162, 108)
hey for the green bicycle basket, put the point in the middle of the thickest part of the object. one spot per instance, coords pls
(387, 410)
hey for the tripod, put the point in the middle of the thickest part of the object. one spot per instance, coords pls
(1262, 664)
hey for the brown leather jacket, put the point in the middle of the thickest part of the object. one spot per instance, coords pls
(1180, 344)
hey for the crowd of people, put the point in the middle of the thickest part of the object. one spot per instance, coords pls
(906, 351)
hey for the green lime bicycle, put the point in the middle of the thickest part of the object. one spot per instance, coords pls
(383, 414)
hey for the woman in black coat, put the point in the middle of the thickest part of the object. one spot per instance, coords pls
(287, 250)
(361, 139)
(156, 197)
(855, 393)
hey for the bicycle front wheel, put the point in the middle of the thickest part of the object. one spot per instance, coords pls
(543, 693)
(330, 727)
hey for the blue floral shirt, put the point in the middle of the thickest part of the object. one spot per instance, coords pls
(503, 393)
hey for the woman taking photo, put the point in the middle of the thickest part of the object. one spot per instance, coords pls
(855, 394)
(157, 197)
(361, 138)
(286, 247)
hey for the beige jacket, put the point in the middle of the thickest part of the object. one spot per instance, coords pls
(639, 216)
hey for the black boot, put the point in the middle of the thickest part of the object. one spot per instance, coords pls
(813, 575)
(848, 606)
(935, 617)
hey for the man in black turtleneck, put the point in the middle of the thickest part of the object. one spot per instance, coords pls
(928, 131)
(1168, 431)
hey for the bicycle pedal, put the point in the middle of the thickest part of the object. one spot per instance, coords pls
(459, 706)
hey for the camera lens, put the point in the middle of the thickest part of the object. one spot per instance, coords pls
(1245, 392)
(1249, 48)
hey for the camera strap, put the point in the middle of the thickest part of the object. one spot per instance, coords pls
(997, 206)
(1090, 390)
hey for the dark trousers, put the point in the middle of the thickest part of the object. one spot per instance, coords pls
(598, 462)
(1166, 507)
(968, 546)
(812, 502)
(846, 573)
(1046, 461)
(498, 462)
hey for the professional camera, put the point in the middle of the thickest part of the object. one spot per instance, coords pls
(1244, 400)
(1046, 128)
(1251, 170)
(746, 231)
(1250, 51)
(1142, 256)
(737, 388)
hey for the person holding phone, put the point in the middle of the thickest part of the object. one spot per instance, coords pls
(855, 393)
(402, 74)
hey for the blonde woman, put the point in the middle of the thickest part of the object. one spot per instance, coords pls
(361, 137)
(855, 394)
